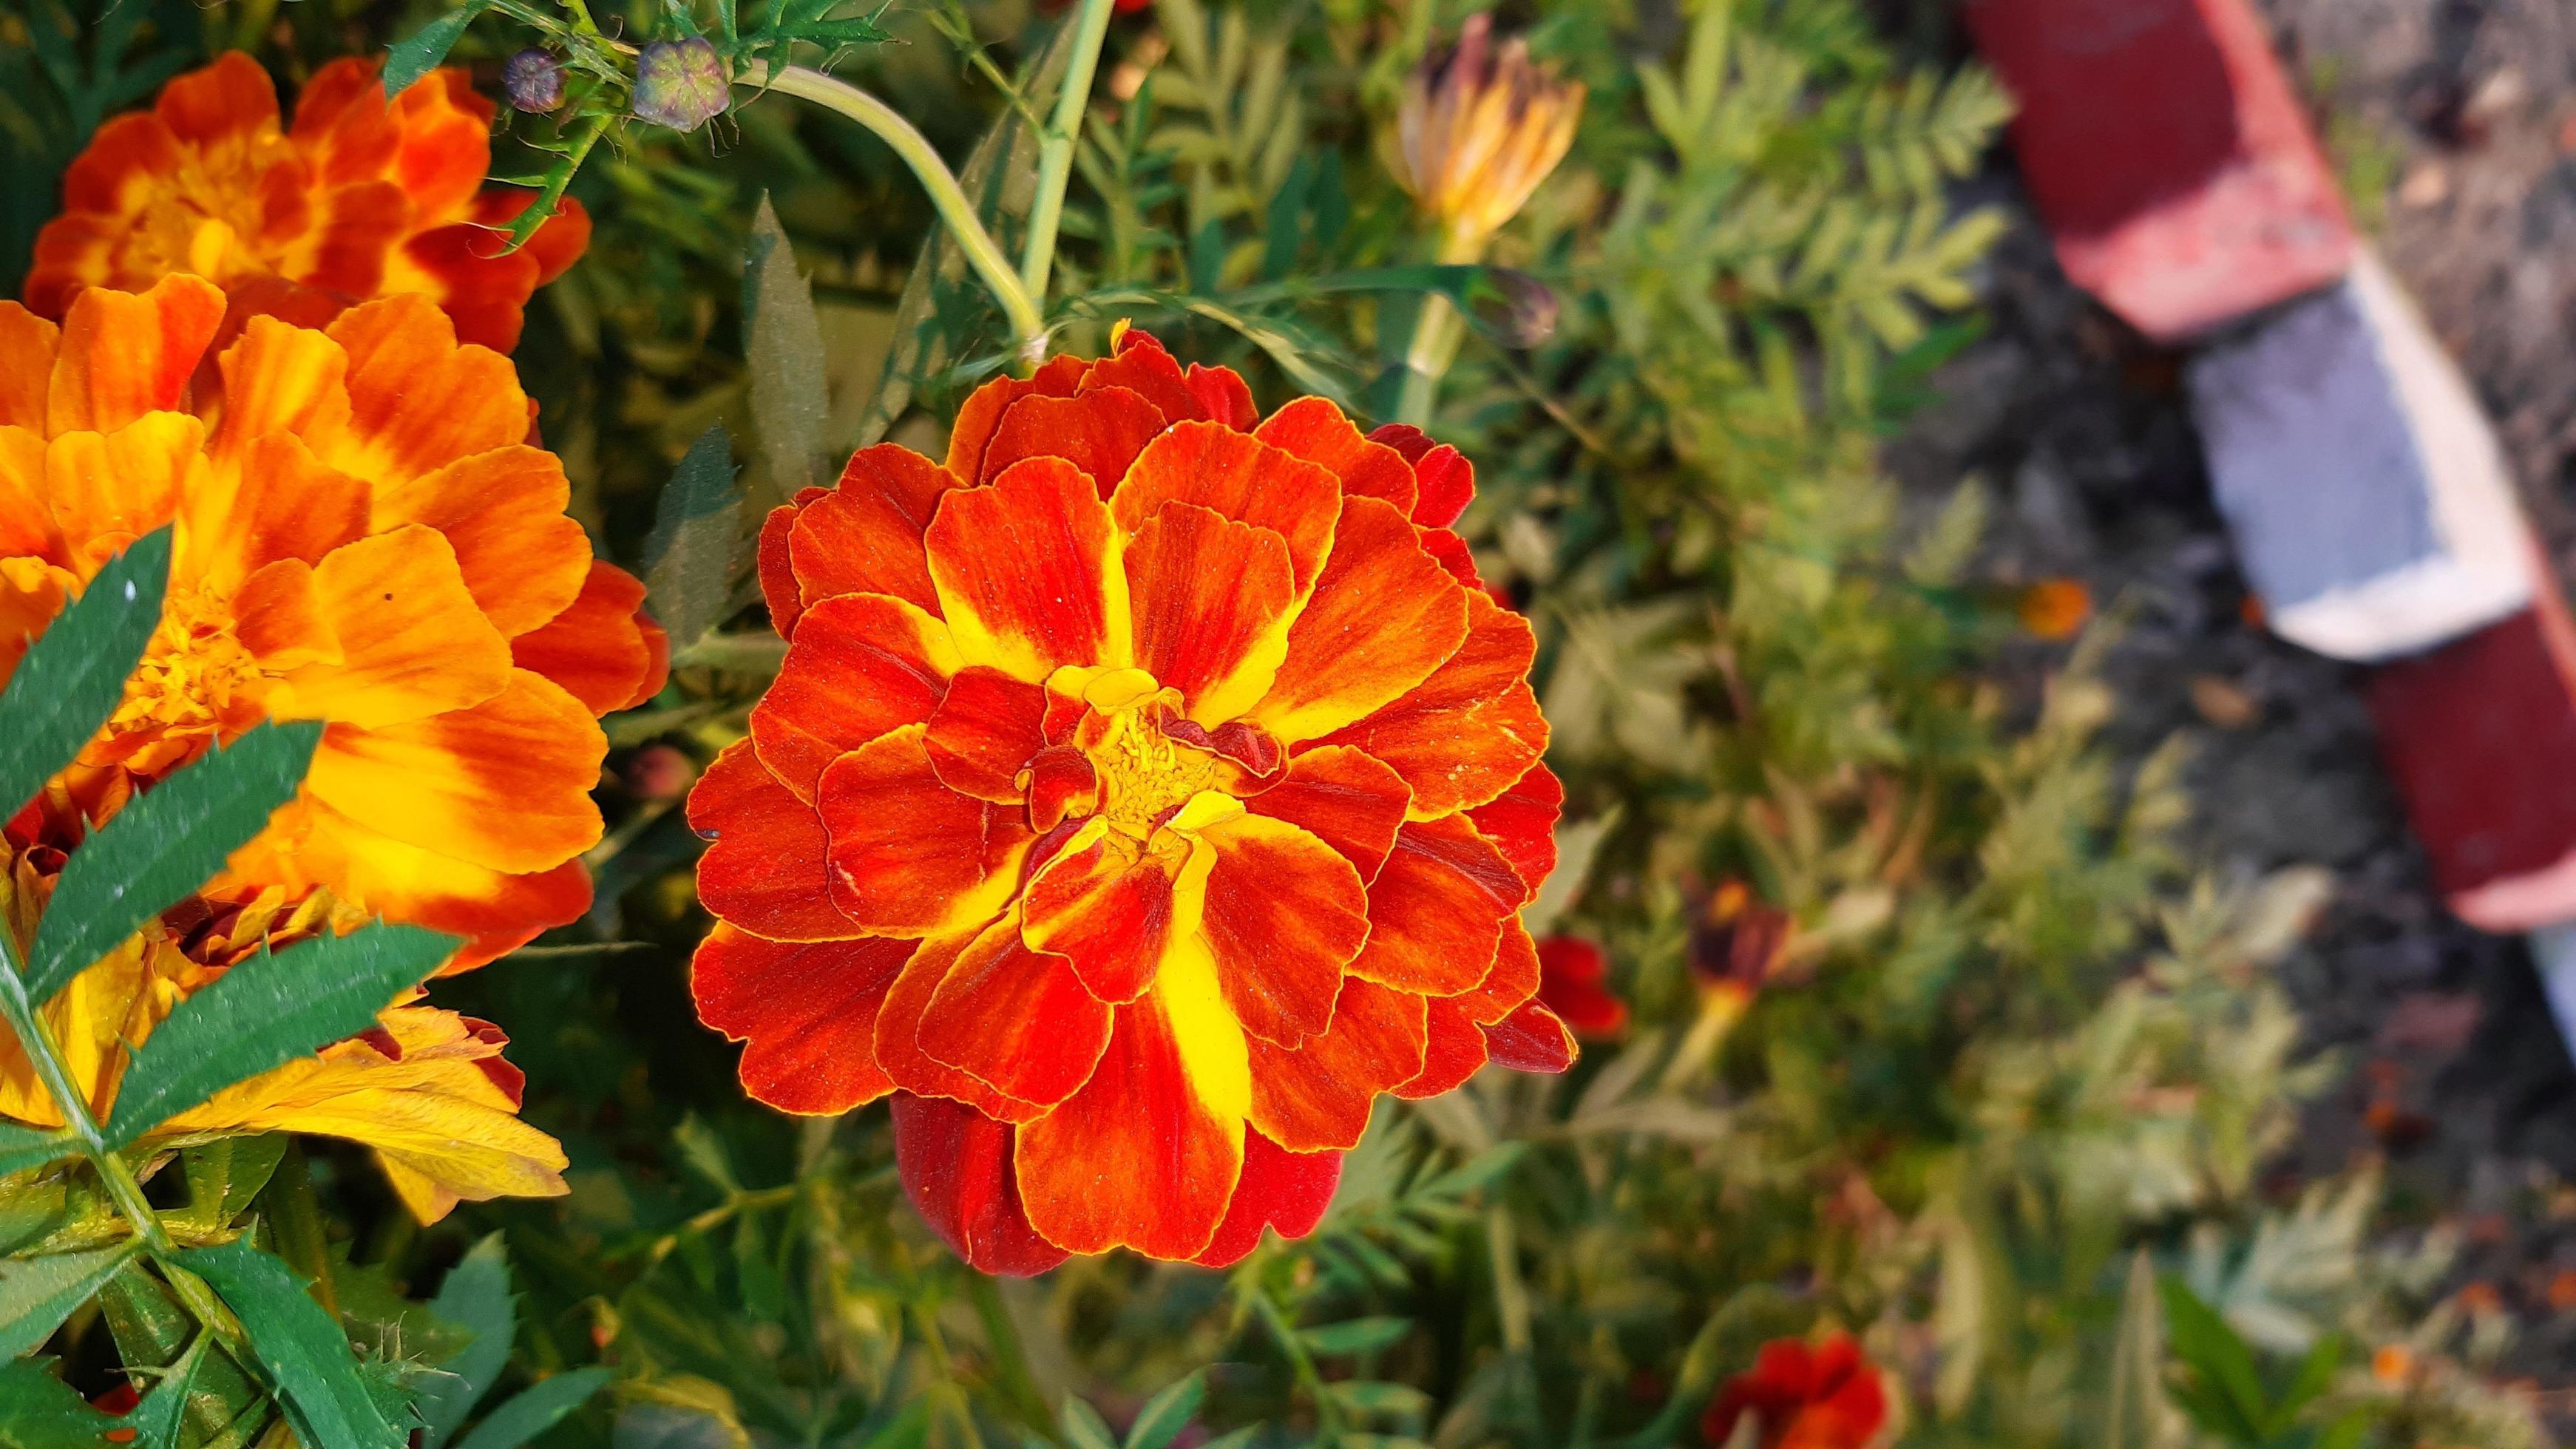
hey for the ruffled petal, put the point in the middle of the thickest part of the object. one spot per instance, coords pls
(523, 559)
(1316, 430)
(1531, 1039)
(1349, 800)
(106, 489)
(1470, 731)
(1146, 1155)
(909, 856)
(1284, 914)
(1521, 822)
(1281, 1190)
(775, 565)
(1113, 905)
(603, 648)
(865, 536)
(1239, 477)
(955, 1164)
(412, 640)
(986, 730)
(861, 665)
(764, 865)
(1444, 481)
(1141, 365)
(418, 400)
(279, 378)
(229, 100)
(124, 354)
(1015, 1019)
(1026, 574)
(1511, 980)
(898, 1036)
(1453, 1051)
(29, 343)
(1211, 599)
(1383, 619)
(1316, 1095)
(1224, 397)
(806, 1013)
(982, 412)
(274, 501)
(1100, 432)
(1437, 909)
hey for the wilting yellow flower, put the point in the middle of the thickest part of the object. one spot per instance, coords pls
(1477, 132)
(426, 1089)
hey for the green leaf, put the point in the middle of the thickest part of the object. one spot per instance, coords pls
(155, 1421)
(226, 1174)
(25, 1147)
(1083, 1427)
(299, 1346)
(2135, 1417)
(416, 55)
(784, 355)
(474, 1295)
(689, 560)
(268, 1011)
(75, 673)
(37, 1294)
(2224, 1391)
(536, 1410)
(1166, 1414)
(40, 1411)
(170, 840)
(1357, 1335)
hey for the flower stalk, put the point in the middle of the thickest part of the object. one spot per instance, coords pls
(1055, 152)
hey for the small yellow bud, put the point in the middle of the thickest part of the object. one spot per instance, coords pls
(1478, 130)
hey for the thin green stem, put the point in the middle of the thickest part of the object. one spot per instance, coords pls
(1055, 151)
(1300, 1363)
(1028, 326)
(1010, 1361)
(1511, 1295)
(1437, 331)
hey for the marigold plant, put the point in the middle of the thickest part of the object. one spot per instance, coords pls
(359, 198)
(1146, 790)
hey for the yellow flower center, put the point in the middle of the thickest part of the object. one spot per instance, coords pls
(197, 678)
(1144, 773)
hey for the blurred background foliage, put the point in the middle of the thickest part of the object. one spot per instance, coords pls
(1936, 1038)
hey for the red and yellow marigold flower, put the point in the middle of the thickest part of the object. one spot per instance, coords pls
(1803, 1396)
(1147, 788)
(361, 537)
(358, 199)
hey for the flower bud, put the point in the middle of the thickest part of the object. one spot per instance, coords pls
(1478, 131)
(533, 80)
(659, 772)
(1526, 313)
(681, 83)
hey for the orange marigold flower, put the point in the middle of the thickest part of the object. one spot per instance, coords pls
(358, 199)
(361, 538)
(1571, 971)
(1802, 1396)
(1476, 133)
(2055, 609)
(1146, 789)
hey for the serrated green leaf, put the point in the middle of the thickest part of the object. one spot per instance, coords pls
(225, 1174)
(537, 1409)
(25, 1147)
(689, 560)
(784, 355)
(268, 1011)
(299, 1346)
(1166, 1414)
(475, 1295)
(40, 1411)
(417, 54)
(155, 1421)
(37, 1294)
(75, 672)
(165, 843)
(1357, 1335)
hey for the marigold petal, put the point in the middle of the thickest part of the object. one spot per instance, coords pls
(1521, 822)
(955, 1164)
(866, 535)
(1017, 1020)
(1384, 617)
(1531, 1039)
(1100, 432)
(1025, 571)
(1454, 556)
(1224, 397)
(483, 292)
(129, 154)
(279, 378)
(1281, 1190)
(418, 400)
(909, 856)
(1444, 480)
(413, 642)
(861, 665)
(1437, 909)
(231, 98)
(274, 501)
(981, 414)
(602, 647)
(1112, 906)
(805, 1011)
(1453, 1051)
(1317, 431)
(523, 559)
(985, 731)
(1471, 730)
(1210, 600)
(1351, 801)
(1284, 914)
(1316, 1095)
(29, 343)
(1239, 477)
(1146, 1155)
(504, 784)
(27, 528)
(106, 489)
(764, 865)
(278, 616)
(776, 566)
(1142, 366)
(898, 1035)
(123, 354)
(1512, 979)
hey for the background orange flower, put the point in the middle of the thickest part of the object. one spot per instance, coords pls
(1802, 1396)
(359, 199)
(361, 538)
(1154, 783)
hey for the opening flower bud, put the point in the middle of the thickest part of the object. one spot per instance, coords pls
(681, 83)
(1478, 130)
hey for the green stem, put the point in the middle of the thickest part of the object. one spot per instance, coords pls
(1055, 152)
(1010, 1361)
(1300, 1363)
(1027, 325)
(1437, 331)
